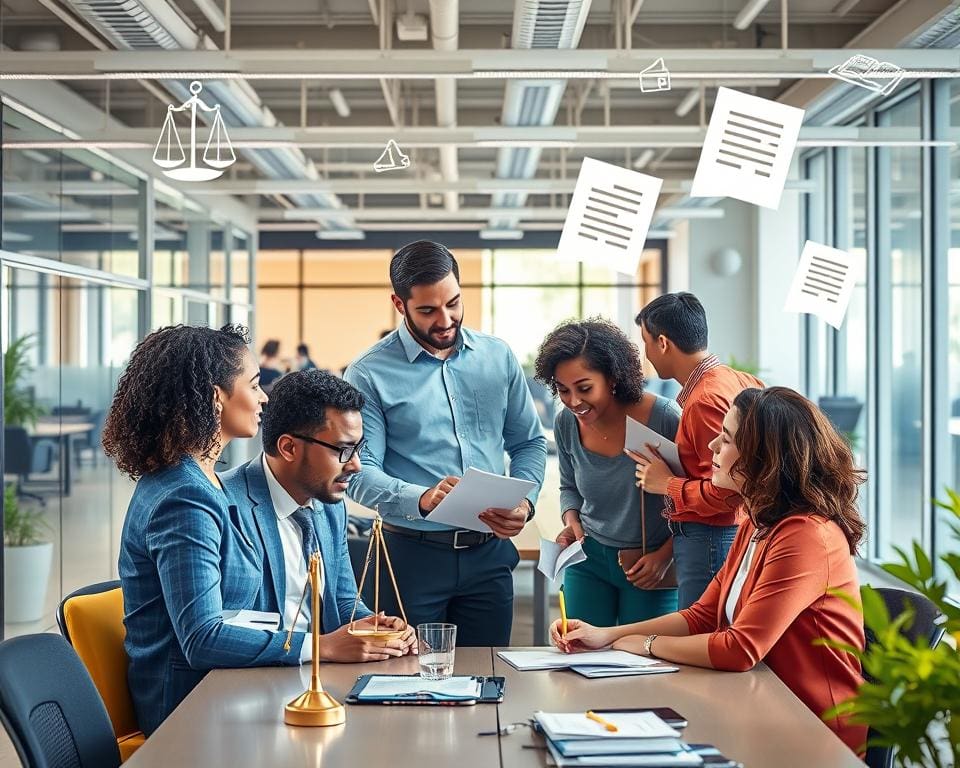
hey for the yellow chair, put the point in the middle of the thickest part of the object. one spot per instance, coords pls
(91, 619)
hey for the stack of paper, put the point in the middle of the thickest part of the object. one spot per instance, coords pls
(589, 664)
(638, 739)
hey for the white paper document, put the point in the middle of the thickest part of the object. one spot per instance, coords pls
(594, 672)
(252, 620)
(824, 282)
(609, 216)
(638, 435)
(630, 725)
(477, 491)
(748, 149)
(553, 658)
(554, 560)
(386, 686)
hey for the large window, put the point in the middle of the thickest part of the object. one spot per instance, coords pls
(898, 352)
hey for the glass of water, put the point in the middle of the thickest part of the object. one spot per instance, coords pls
(437, 643)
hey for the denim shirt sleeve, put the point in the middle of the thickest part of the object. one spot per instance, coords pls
(523, 438)
(373, 487)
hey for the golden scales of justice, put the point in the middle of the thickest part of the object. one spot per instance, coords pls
(315, 706)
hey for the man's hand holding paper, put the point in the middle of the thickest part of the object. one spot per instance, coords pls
(482, 501)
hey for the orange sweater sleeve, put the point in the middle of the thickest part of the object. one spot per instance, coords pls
(794, 575)
(701, 422)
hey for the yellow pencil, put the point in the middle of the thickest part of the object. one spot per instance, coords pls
(605, 723)
(563, 615)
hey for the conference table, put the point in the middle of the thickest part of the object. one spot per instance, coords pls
(235, 718)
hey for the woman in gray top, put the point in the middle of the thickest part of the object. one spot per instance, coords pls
(596, 372)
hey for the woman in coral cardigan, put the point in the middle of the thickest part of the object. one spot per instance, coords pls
(772, 600)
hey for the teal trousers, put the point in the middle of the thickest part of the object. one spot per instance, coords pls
(597, 591)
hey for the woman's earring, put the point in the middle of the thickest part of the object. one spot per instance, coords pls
(613, 389)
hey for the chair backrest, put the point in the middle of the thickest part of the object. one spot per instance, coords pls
(17, 451)
(51, 707)
(925, 615)
(91, 619)
(925, 625)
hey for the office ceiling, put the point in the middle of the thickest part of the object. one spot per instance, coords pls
(326, 159)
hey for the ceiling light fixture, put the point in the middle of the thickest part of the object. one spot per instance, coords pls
(501, 234)
(748, 13)
(341, 234)
(643, 159)
(689, 102)
(339, 102)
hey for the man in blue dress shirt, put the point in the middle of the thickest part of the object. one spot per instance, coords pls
(439, 399)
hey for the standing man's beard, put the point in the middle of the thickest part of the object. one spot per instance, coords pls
(431, 340)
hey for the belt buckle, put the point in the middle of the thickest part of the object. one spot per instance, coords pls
(456, 540)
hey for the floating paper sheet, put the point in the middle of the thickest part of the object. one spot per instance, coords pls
(824, 282)
(609, 216)
(748, 149)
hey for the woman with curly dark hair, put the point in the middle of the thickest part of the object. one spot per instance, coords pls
(185, 553)
(596, 372)
(776, 595)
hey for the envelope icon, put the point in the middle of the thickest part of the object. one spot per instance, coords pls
(654, 78)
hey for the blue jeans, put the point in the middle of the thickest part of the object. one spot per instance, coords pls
(699, 551)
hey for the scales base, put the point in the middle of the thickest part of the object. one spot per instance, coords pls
(313, 708)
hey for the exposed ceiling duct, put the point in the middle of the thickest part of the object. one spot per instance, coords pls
(444, 27)
(152, 24)
(553, 24)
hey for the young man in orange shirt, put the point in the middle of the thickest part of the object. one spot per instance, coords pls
(702, 517)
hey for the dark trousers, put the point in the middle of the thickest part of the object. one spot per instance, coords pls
(472, 588)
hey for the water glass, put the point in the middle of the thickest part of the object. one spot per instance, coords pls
(437, 643)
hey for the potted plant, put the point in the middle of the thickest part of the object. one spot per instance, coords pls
(26, 559)
(913, 700)
(19, 410)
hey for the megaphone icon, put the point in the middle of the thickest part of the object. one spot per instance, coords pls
(391, 159)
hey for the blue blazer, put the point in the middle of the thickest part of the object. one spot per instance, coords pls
(247, 487)
(185, 556)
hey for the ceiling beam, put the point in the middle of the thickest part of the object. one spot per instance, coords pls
(299, 64)
(408, 137)
(464, 214)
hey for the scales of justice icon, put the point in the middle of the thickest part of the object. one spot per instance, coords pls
(316, 707)
(217, 152)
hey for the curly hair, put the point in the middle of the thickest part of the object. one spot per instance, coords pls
(164, 404)
(299, 402)
(794, 462)
(605, 348)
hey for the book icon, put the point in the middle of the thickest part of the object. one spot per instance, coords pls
(878, 76)
(655, 78)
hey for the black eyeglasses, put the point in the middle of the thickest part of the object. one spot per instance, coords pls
(346, 452)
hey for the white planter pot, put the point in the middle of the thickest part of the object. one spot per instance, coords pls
(26, 575)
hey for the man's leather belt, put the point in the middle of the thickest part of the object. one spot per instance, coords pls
(459, 539)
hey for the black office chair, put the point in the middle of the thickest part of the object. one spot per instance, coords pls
(50, 707)
(926, 625)
(23, 457)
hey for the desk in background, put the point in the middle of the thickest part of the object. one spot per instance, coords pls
(51, 428)
(235, 718)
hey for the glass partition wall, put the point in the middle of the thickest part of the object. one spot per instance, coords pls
(88, 267)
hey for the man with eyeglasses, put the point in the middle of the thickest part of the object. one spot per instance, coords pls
(291, 502)
(441, 398)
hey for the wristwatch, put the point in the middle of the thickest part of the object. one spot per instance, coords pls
(532, 512)
(648, 645)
